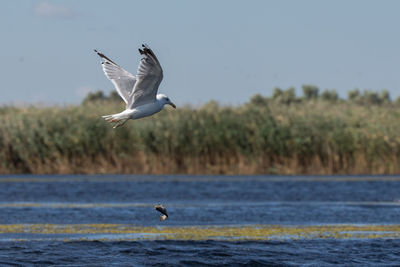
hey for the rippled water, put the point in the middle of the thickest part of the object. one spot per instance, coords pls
(214, 220)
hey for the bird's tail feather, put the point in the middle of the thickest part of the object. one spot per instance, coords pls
(119, 119)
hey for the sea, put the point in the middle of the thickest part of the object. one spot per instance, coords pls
(110, 220)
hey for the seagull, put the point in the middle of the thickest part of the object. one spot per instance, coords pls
(163, 211)
(139, 92)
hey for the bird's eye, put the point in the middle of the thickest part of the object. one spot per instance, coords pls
(167, 99)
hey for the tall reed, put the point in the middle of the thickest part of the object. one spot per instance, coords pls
(309, 137)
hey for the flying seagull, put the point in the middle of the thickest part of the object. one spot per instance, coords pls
(139, 92)
(163, 211)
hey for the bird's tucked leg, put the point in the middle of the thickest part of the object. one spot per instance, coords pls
(119, 119)
(120, 123)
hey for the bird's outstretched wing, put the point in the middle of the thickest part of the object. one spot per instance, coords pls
(148, 78)
(122, 79)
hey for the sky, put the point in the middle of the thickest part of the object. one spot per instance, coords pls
(222, 50)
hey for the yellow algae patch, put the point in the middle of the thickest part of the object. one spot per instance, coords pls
(72, 205)
(131, 205)
(20, 205)
(253, 232)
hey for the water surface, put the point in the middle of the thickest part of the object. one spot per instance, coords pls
(213, 220)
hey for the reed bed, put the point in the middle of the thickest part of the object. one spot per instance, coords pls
(307, 137)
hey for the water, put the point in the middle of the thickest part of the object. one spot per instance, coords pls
(213, 220)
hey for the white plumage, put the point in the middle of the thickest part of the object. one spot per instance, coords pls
(140, 92)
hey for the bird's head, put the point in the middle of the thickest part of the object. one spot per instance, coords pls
(165, 100)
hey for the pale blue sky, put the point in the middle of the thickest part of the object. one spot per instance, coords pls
(221, 50)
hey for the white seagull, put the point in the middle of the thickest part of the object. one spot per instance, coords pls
(140, 92)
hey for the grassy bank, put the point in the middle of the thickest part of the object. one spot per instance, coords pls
(302, 137)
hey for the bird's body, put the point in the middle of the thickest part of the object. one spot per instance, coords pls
(139, 92)
(140, 111)
(160, 208)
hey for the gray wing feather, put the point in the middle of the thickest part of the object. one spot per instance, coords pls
(149, 76)
(122, 79)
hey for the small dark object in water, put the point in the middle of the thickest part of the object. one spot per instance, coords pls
(163, 211)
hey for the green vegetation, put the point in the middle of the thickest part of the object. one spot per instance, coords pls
(285, 134)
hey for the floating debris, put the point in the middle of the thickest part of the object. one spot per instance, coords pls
(163, 211)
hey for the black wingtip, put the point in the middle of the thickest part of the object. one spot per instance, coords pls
(95, 51)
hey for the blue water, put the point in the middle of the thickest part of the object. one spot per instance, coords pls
(197, 201)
